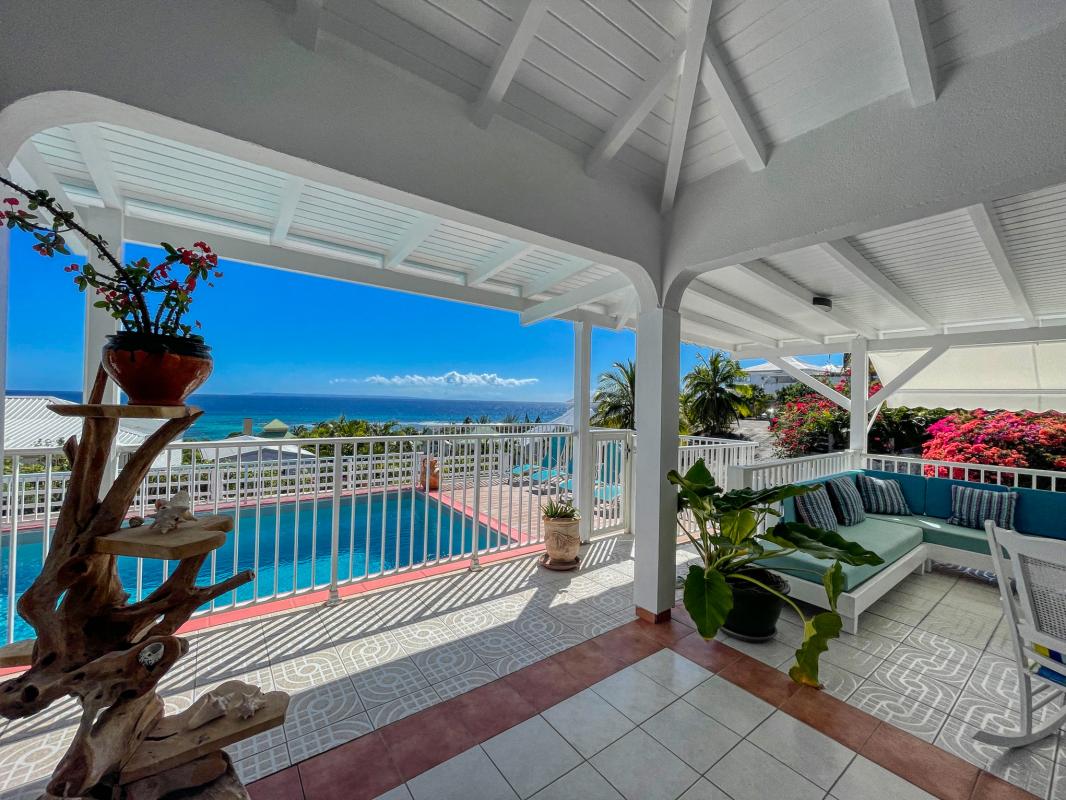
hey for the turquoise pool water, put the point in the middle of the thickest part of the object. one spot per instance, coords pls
(403, 529)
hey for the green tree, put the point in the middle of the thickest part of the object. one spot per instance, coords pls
(615, 397)
(716, 394)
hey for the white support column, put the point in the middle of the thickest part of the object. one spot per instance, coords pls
(109, 224)
(860, 382)
(584, 456)
(655, 509)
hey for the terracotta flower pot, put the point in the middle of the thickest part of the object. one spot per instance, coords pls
(156, 370)
(562, 541)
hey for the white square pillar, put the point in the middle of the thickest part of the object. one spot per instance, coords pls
(655, 509)
(860, 390)
(584, 454)
(107, 223)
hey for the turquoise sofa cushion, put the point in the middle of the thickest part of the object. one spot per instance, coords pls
(942, 532)
(889, 540)
(913, 487)
(1041, 513)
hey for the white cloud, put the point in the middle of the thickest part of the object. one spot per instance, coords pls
(448, 379)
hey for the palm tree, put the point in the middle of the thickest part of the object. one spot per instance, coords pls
(716, 394)
(615, 397)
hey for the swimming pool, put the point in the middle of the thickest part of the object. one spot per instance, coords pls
(379, 532)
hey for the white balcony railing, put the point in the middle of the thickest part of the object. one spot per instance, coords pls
(765, 474)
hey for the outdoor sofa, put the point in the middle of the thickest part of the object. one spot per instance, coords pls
(908, 543)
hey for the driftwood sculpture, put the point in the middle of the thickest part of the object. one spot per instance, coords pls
(110, 654)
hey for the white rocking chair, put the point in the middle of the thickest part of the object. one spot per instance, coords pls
(1037, 620)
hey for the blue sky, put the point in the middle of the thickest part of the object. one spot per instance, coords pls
(276, 331)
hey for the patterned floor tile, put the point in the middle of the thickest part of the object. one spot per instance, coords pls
(32, 758)
(386, 682)
(401, 707)
(883, 626)
(1020, 767)
(537, 626)
(916, 686)
(943, 668)
(371, 650)
(458, 684)
(311, 669)
(420, 636)
(446, 661)
(470, 620)
(256, 744)
(262, 764)
(564, 641)
(835, 681)
(320, 706)
(960, 625)
(983, 714)
(917, 719)
(496, 643)
(322, 739)
(515, 661)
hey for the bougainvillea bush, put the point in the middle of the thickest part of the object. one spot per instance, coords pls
(810, 423)
(1002, 438)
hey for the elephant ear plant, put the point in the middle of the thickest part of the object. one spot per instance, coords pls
(732, 536)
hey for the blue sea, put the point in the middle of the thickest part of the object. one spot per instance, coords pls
(224, 413)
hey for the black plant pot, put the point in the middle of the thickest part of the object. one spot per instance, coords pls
(755, 611)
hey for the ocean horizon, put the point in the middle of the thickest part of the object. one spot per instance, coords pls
(224, 414)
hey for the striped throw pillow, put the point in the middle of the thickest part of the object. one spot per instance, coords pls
(970, 507)
(882, 496)
(846, 501)
(814, 508)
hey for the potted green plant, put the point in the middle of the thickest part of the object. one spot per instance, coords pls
(732, 536)
(561, 538)
(156, 359)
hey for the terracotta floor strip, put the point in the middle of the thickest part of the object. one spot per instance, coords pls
(379, 761)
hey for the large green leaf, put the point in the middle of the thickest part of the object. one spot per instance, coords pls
(833, 581)
(821, 543)
(708, 600)
(736, 499)
(817, 632)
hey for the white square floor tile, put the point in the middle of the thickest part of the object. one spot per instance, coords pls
(531, 755)
(588, 722)
(672, 670)
(704, 790)
(735, 708)
(634, 694)
(865, 780)
(809, 752)
(691, 735)
(466, 776)
(642, 769)
(583, 783)
(747, 773)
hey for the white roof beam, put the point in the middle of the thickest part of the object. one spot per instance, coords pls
(741, 306)
(36, 174)
(732, 108)
(305, 23)
(556, 277)
(510, 253)
(809, 380)
(290, 198)
(988, 228)
(507, 62)
(699, 16)
(769, 276)
(841, 251)
(568, 301)
(97, 162)
(627, 311)
(738, 333)
(415, 235)
(904, 377)
(915, 45)
(640, 105)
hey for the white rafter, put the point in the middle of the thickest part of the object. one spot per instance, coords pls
(740, 334)
(507, 62)
(290, 198)
(699, 16)
(841, 251)
(30, 170)
(97, 162)
(509, 254)
(809, 380)
(897, 383)
(742, 306)
(414, 236)
(555, 277)
(583, 295)
(640, 105)
(916, 48)
(626, 311)
(732, 108)
(305, 22)
(988, 228)
(803, 296)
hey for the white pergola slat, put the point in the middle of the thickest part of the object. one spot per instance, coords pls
(414, 236)
(627, 311)
(511, 253)
(988, 228)
(568, 301)
(98, 163)
(916, 48)
(809, 380)
(737, 333)
(752, 311)
(38, 175)
(290, 199)
(555, 277)
(510, 57)
(699, 16)
(732, 108)
(855, 263)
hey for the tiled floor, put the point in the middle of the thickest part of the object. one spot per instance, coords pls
(928, 661)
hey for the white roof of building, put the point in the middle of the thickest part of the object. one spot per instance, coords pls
(806, 366)
(28, 423)
(249, 446)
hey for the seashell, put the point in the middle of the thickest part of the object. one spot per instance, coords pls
(151, 655)
(249, 703)
(209, 707)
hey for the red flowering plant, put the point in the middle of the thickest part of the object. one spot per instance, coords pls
(809, 422)
(126, 290)
(998, 438)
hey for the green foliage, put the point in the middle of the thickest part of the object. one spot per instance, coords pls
(342, 427)
(732, 536)
(559, 510)
(615, 397)
(716, 395)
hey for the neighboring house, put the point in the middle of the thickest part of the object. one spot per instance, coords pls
(251, 448)
(772, 379)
